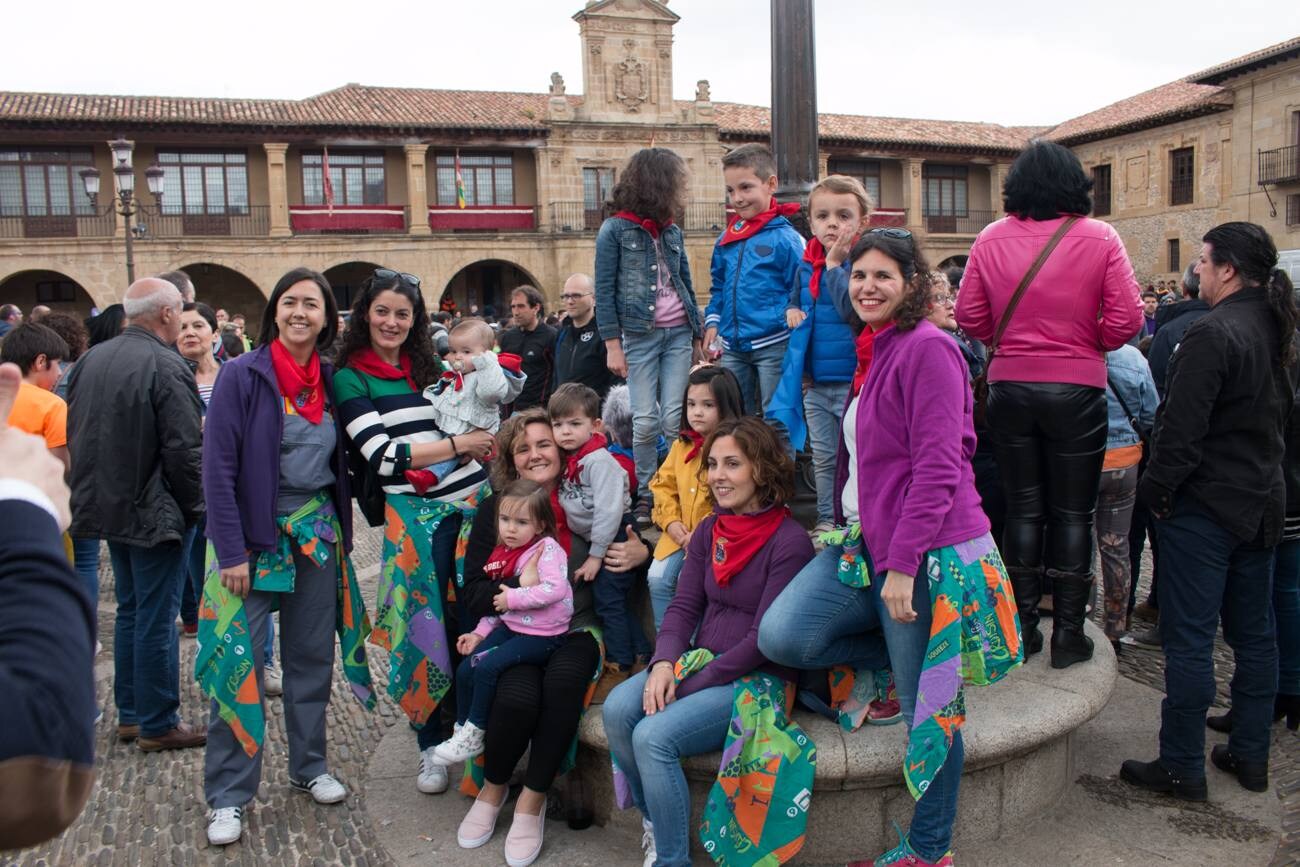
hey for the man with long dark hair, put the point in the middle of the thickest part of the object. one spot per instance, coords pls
(1216, 486)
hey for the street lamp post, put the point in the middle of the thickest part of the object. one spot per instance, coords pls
(794, 102)
(124, 201)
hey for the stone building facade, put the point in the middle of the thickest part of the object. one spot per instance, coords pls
(244, 194)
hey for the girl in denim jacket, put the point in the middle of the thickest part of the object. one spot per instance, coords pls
(645, 302)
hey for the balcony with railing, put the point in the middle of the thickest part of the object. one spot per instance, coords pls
(347, 219)
(1280, 165)
(577, 217)
(483, 218)
(968, 223)
(19, 226)
(248, 221)
(884, 218)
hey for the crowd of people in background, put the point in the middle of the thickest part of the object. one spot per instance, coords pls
(980, 439)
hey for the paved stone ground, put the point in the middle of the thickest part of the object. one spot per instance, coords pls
(149, 808)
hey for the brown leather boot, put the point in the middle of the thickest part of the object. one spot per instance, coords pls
(183, 737)
(612, 676)
(126, 734)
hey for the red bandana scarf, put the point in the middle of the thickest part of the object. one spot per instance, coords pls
(737, 538)
(863, 345)
(563, 534)
(654, 227)
(368, 361)
(503, 563)
(597, 441)
(815, 254)
(739, 230)
(697, 443)
(455, 378)
(301, 385)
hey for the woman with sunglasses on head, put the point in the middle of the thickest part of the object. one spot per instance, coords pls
(1049, 292)
(386, 361)
(919, 580)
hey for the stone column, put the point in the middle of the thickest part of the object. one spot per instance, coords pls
(277, 189)
(996, 176)
(417, 192)
(794, 99)
(912, 194)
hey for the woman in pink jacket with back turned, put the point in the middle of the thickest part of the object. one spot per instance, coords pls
(1047, 384)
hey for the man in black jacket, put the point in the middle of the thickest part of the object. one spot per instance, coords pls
(47, 630)
(134, 434)
(1215, 484)
(579, 351)
(534, 342)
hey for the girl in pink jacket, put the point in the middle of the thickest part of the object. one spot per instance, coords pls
(1047, 378)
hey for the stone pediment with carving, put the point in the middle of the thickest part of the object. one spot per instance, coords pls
(631, 79)
(645, 9)
(627, 61)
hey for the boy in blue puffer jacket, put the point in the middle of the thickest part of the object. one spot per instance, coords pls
(755, 267)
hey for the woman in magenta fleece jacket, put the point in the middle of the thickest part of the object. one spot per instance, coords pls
(738, 561)
(1047, 385)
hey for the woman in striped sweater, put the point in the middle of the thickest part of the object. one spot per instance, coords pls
(386, 361)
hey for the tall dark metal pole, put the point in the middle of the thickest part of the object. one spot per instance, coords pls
(794, 99)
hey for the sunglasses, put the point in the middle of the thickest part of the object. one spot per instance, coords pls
(892, 232)
(386, 274)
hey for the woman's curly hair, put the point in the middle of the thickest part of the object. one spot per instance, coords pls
(425, 365)
(651, 185)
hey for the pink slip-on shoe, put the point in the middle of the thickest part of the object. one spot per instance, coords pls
(479, 823)
(524, 842)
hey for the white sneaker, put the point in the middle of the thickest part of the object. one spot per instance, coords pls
(324, 789)
(648, 843)
(272, 680)
(225, 825)
(433, 776)
(463, 746)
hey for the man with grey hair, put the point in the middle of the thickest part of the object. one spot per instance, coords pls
(580, 354)
(182, 282)
(10, 318)
(134, 433)
(1172, 322)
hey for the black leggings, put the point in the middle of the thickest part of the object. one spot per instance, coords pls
(1051, 440)
(541, 705)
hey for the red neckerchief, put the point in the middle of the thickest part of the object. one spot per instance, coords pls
(301, 385)
(815, 254)
(697, 443)
(739, 230)
(503, 563)
(368, 361)
(654, 227)
(597, 441)
(864, 345)
(455, 377)
(628, 465)
(737, 538)
(563, 534)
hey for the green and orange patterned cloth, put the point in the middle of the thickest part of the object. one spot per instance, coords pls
(225, 668)
(409, 619)
(756, 814)
(974, 639)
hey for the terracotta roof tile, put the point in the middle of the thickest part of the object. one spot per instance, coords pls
(741, 120)
(1273, 53)
(1155, 107)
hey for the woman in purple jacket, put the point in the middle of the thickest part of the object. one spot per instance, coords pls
(872, 601)
(737, 562)
(273, 457)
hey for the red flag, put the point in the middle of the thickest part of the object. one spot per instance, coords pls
(329, 184)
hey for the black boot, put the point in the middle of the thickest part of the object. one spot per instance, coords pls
(1070, 596)
(1220, 723)
(1287, 706)
(1154, 777)
(1253, 776)
(1027, 584)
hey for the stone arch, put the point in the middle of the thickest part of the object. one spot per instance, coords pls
(959, 261)
(486, 282)
(220, 286)
(346, 278)
(55, 289)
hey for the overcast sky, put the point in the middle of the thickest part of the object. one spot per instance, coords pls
(1009, 62)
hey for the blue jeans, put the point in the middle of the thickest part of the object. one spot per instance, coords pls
(823, 409)
(1286, 611)
(761, 369)
(85, 556)
(146, 655)
(622, 629)
(818, 622)
(195, 545)
(649, 750)
(662, 580)
(658, 365)
(1208, 574)
(443, 548)
(476, 682)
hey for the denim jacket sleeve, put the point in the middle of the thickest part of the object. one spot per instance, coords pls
(608, 300)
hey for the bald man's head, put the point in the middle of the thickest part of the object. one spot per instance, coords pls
(154, 305)
(579, 298)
